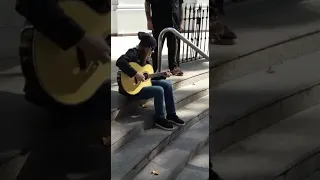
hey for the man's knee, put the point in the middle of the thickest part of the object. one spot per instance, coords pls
(167, 85)
(158, 91)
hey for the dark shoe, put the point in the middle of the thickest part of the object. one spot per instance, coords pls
(175, 120)
(220, 34)
(177, 72)
(228, 34)
(163, 124)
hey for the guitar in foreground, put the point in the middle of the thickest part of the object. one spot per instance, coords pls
(68, 76)
(131, 85)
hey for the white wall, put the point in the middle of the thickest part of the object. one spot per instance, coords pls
(128, 16)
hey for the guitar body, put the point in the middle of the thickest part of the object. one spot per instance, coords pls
(59, 71)
(130, 85)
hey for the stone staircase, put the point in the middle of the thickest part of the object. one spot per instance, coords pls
(264, 106)
(197, 168)
(138, 148)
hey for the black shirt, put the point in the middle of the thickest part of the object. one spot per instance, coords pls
(165, 13)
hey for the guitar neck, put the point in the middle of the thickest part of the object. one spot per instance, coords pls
(160, 74)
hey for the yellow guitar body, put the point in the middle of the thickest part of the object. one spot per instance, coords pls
(59, 72)
(130, 85)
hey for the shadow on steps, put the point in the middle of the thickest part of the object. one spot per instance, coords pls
(57, 143)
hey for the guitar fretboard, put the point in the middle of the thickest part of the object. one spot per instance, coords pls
(156, 75)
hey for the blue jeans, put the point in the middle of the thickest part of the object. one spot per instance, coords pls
(160, 89)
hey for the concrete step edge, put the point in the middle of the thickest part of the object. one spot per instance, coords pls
(290, 146)
(286, 81)
(304, 95)
(314, 176)
(173, 158)
(197, 168)
(121, 134)
(267, 116)
(123, 168)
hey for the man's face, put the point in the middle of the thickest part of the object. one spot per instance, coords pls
(149, 51)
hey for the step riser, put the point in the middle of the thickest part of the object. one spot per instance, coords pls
(149, 124)
(191, 80)
(162, 145)
(179, 168)
(198, 167)
(130, 107)
(303, 169)
(264, 117)
(192, 98)
(261, 60)
(171, 161)
(128, 137)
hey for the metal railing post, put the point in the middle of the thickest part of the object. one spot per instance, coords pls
(178, 35)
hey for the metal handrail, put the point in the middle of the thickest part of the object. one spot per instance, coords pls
(178, 35)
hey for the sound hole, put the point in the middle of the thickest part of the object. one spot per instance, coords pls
(82, 59)
(146, 75)
(135, 81)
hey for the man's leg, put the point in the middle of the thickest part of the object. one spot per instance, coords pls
(156, 92)
(155, 34)
(172, 44)
(169, 100)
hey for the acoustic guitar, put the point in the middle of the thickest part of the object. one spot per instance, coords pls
(68, 76)
(131, 85)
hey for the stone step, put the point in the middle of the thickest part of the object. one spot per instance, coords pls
(243, 106)
(126, 129)
(193, 72)
(314, 176)
(132, 157)
(262, 40)
(176, 155)
(11, 169)
(8, 155)
(197, 168)
(264, 58)
(286, 150)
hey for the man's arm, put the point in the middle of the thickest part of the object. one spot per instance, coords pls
(123, 63)
(147, 9)
(49, 19)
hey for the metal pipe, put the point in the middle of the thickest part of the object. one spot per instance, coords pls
(178, 35)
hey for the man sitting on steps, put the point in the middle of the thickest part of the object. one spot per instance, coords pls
(160, 90)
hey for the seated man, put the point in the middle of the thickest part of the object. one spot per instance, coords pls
(160, 90)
